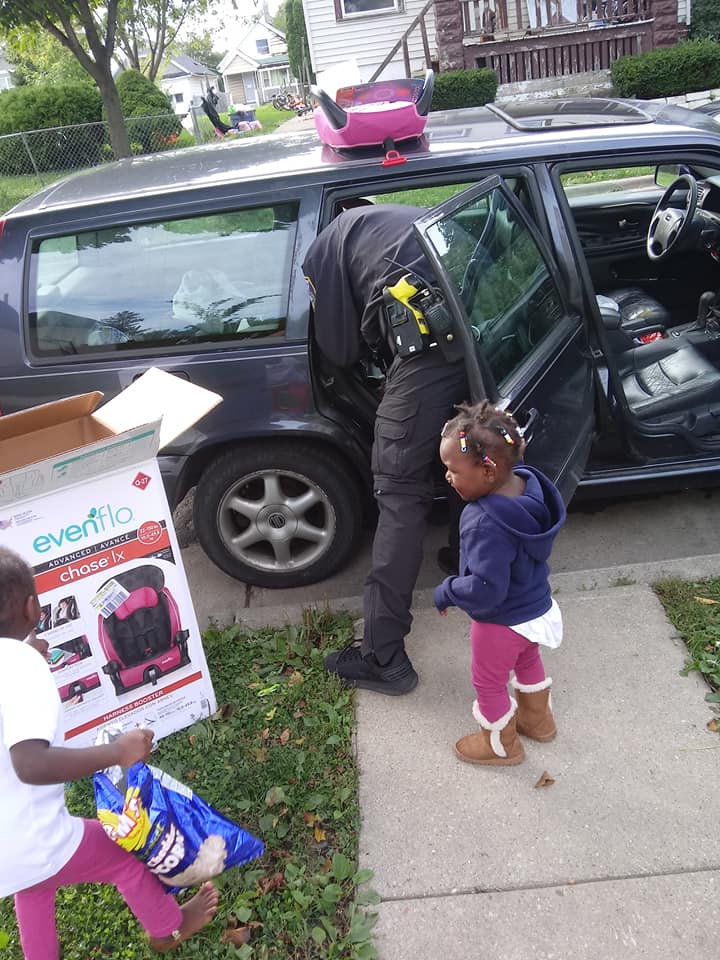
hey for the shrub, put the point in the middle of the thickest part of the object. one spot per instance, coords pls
(705, 20)
(149, 117)
(464, 88)
(669, 71)
(48, 105)
(41, 109)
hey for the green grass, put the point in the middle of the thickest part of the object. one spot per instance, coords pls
(694, 610)
(277, 757)
(15, 189)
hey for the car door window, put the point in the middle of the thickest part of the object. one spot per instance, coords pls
(212, 278)
(492, 259)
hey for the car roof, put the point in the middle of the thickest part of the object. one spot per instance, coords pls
(522, 132)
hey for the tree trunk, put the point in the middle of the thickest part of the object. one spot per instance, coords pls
(116, 125)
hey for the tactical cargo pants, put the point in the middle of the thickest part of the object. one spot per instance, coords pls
(419, 397)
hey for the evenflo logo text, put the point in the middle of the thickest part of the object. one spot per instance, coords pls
(98, 521)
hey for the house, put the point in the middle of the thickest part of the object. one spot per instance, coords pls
(185, 80)
(5, 73)
(258, 66)
(364, 31)
(521, 40)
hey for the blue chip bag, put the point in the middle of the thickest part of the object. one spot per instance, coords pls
(165, 824)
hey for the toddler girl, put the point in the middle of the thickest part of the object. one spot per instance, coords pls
(507, 528)
(43, 847)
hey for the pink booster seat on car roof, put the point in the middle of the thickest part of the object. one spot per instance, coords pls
(143, 638)
(370, 114)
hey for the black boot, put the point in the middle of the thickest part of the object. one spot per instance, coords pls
(355, 670)
(447, 560)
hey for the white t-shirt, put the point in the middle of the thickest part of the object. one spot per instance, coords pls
(37, 834)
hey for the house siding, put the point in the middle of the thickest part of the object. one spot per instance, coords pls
(367, 40)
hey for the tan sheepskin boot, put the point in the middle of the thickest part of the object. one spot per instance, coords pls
(534, 714)
(497, 743)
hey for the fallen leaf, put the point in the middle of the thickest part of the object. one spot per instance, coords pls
(276, 881)
(707, 601)
(265, 734)
(319, 834)
(191, 739)
(298, 714)
(295, 678)
(309, 818)
(545, 780)
(713, 725)
(190, 775)
(285, 736)
(237, 936)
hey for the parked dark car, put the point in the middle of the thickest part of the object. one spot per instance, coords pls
(577, 244)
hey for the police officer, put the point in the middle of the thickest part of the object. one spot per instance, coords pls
(349, 268)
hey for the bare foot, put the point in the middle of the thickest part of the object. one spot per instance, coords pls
(197, 913)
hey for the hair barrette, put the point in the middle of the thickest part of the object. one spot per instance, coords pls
(490, 462)
(463, 442)
(506, 436)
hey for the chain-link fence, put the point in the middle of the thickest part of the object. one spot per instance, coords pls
(34, 158)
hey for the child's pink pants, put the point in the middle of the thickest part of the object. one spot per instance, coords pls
(98, 859)
(496, 651)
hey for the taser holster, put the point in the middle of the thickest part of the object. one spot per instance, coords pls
(417, 319)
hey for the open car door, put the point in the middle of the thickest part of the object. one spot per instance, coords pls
(524, 349)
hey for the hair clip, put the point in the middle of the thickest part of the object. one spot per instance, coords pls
(445, 426)
(488, 461)
(506, 436)
(463, 442)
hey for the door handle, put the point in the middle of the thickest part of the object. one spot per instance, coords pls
(176, 373)
(530, 417)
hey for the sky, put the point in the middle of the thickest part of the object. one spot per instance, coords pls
(226, 15)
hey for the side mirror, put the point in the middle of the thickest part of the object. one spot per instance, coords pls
(667, 173)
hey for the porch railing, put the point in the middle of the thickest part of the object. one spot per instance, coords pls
(539, 57)
(487, 18)
(417, 24)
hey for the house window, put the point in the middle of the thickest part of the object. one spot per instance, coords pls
(360, 8)
(262, 47)
(179, 98)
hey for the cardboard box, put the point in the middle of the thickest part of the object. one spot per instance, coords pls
(82, 500)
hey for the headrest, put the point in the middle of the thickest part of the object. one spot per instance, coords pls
(139, 599)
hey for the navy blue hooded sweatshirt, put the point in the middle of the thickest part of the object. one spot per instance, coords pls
(505, 543)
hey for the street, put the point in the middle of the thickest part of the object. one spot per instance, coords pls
(656, 532)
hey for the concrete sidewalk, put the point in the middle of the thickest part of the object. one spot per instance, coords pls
(619, 858)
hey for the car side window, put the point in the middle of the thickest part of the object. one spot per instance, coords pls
(494, 262)
(212, 278)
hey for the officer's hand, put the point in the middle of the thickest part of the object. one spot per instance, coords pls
(443, 613)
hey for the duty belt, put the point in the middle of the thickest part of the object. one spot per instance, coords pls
(418, 319)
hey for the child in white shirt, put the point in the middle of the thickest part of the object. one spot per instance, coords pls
(43, 846)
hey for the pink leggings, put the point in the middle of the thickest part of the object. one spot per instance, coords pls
(98, 859)
(496, 651)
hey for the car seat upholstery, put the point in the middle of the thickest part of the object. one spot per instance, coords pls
(661, 377)
(638, 311)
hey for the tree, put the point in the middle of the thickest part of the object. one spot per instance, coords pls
(92, 29)
(297, 41)
(200, 47)
(37, 57)
(88, 29)
(148, 28)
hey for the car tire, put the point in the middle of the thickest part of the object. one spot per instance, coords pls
(278, 514)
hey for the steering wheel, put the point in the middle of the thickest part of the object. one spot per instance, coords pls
(670, 226)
